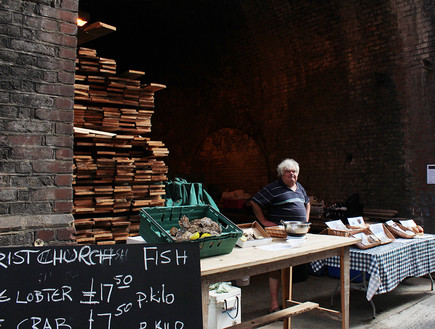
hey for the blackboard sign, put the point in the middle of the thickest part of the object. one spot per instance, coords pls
(151, 286)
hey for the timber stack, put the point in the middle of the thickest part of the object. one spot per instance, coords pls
(117, 170)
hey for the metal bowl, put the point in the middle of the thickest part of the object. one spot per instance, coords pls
(295, 228)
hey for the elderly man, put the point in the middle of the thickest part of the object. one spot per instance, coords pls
(283, 199)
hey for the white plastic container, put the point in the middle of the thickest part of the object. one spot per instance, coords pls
(224, 309)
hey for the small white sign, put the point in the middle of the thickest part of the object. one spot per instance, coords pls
(356, 221)
(431, 173)
(408, 223)
(393, 224)
(378, 231)
(336, 225)
(363, 237)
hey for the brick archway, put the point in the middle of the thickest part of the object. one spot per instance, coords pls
(230, 160)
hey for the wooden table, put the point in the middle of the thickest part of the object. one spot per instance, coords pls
(242, 262)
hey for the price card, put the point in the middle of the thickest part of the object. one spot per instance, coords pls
(378, 231)
(393, 224)
(356, 221)
(408, 223)
(363, 237)
(336, 225)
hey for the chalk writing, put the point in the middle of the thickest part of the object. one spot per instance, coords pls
(101, 287)
(45, 295)
(54, 257)
(156, 257)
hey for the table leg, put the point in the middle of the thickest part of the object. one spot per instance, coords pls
(205, 302)
(345, 286)
(286, 291)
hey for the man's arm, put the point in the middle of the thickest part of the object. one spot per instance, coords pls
(308, 209)
(258, 212)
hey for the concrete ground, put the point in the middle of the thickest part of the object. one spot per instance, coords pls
(410, 305)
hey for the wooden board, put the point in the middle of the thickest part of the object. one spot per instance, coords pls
(92, 31)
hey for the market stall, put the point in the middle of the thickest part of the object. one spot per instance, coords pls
(279, 254)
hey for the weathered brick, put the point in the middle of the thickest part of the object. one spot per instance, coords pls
(63, 193)
(5, 17)
(36, 100)
(45, 235)
(33, 47)
(68, 28)
(68, 53)
(7, 194)
(50, 77)
(58, 90)
(4, 140)
(49, 25)
(64, 154)
(8, 112)
(64, 103)
(62, 15)
(4, 44)
(27, 86)
(63, 206)
(71, 5)
(24, 195)
(4, 180)
(57, 64)
(66, 77)
(28, 126)
(17, 239)
(54, 115)
(31, 152)
(63, 180)
(24, 167)
(62, 141)
(31, 74)
(4, 209)
(34, 22)
(33, 181)
(36, 208)
(25, 140)
(4, 97)
(5, 153)
(53, 38)
(44, 194)
(25, 113)
(55, 167)
(12, 30)
(5, 69)
(7, 166)
(65, 128)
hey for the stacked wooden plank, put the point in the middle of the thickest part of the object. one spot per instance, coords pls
(108, 102)
(117, 170)
(380, 214)
(93, 31)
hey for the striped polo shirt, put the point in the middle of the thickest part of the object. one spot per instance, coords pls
(282, 202)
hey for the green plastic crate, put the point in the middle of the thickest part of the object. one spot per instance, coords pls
(155, 223)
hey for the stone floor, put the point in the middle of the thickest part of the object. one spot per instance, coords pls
(410, 305)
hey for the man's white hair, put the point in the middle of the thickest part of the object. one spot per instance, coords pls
(287, 164)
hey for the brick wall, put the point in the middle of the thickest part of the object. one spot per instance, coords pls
(344, 87)
(37, 54)
(418, 97)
